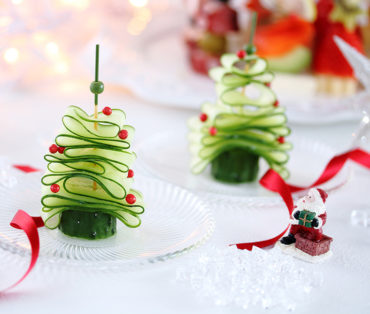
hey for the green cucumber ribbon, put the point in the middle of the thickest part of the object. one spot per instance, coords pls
(91, 155)
(245, 116)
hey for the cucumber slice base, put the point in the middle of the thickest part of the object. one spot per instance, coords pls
(87, 225)
(235, 166)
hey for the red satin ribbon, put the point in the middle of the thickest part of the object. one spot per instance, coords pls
(25, 168)
(29, 225)
(273, 182)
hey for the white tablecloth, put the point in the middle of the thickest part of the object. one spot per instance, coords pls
(29, 122)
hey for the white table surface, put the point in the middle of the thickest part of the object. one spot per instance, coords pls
(29, 122)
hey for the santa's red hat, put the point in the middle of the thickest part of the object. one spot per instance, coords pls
(323, 195)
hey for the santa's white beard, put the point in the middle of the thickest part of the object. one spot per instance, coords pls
(316, 207)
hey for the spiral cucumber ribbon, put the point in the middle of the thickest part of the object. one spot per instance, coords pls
(242, 121)
(91, 155)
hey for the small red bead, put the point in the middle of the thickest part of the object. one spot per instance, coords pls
(53, 149)
(123, 134)
(268, 84)
(54, 188)
(203, 117)
(212, 131)
(241, 54)
(281, 140)
(130, 198)
(107, 111)
(61, 149)
(130, 173)
(276, 104)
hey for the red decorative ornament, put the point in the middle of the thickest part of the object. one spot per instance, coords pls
(203, 117)
(107, 111)
(53, 149)
(241, 54)
(212, 131)
(130, 173)
(268, 84)
(54, 188)
(123, 134)
(276, 104)
(281, 140)
(61, 149)
(131, 199)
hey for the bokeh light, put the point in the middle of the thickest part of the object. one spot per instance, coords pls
(139, 3)
(11, 55)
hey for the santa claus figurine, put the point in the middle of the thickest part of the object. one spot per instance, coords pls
(308, 216)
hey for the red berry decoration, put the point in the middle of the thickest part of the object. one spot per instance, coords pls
(241, 54)
(212, 131)
(281, 140)
(203, 117)
(53, 149)
(276, 104)
(130, 198)
(123, 134)
(107, 111)
(268, 84)
(61, 149)
(54, 188)
(130, 173)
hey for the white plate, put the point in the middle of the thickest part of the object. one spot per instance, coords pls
(166, 156)
(175, 221)
(159, 72)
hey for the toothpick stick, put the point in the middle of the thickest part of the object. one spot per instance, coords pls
(96, 87)
(250, 48)
(253, 28)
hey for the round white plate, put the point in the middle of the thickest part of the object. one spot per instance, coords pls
(171, 162)
(175, 221)
(159, 72)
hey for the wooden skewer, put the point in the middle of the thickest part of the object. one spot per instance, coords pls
(96, 116)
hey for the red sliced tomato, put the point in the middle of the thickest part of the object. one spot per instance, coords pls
(283, 36)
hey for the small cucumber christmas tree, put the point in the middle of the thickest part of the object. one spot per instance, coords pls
(245, 124)
(89, 177)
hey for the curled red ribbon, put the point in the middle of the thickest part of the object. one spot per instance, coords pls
(26, 168)
(273, 182)
(29, 225)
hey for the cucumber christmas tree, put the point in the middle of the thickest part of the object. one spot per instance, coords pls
(245, 124)
(88, 181)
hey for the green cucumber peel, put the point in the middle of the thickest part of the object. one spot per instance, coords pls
(90, 156)
(244, 116)
(234, 97)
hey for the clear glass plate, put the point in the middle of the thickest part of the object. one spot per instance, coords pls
(171, 163)
(175, 221)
